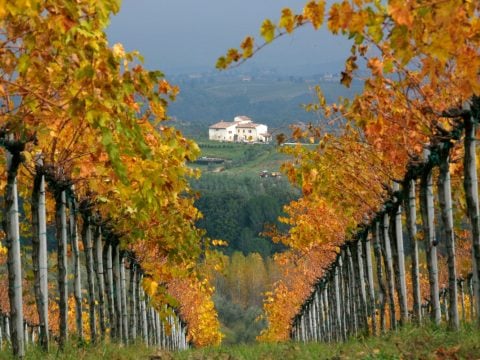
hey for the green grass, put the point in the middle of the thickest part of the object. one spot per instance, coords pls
(247, 159)
(225, 150)
(77, 351)
(409, 343)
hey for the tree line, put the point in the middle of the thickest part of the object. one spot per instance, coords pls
(238, 209)
(239, 291)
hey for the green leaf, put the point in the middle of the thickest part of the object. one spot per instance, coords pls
(23, 63)
(85, 72)
(376, 32)
(221, 63)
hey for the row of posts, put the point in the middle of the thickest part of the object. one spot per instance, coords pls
(131, 316)
(116, 300)
(348, 301)
(121, 312)
(343, 303)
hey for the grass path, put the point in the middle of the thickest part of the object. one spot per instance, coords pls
(409, 343)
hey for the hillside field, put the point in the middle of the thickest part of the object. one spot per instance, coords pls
(277, 103)
(246, 159)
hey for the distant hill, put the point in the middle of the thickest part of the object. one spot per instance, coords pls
(273, 100)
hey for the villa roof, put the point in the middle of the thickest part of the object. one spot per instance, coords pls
(248, 125)
(243, 118)
(222, 125)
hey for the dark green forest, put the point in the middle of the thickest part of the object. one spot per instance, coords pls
(235, 209)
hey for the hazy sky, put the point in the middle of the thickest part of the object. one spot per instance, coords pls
(182, 35)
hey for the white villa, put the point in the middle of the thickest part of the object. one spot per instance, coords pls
(242, 129)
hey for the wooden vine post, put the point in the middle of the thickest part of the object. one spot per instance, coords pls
(11, 227)
(39, 251)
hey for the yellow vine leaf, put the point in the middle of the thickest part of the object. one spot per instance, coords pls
(287, 21)
(400, 13)
(222, 63)
(376, 66)
(150, 287)
(314, 12)
(3, 10)
(219, 243)
(233, 55)
(118, 50)
(267, 30)
(247, 47)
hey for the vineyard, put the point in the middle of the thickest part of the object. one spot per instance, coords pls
(359, 262)
(88, 155)
(100, 240)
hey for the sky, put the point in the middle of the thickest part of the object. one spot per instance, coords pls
(183, 36)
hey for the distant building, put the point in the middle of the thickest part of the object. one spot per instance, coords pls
(223, 131)
(242, 129)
